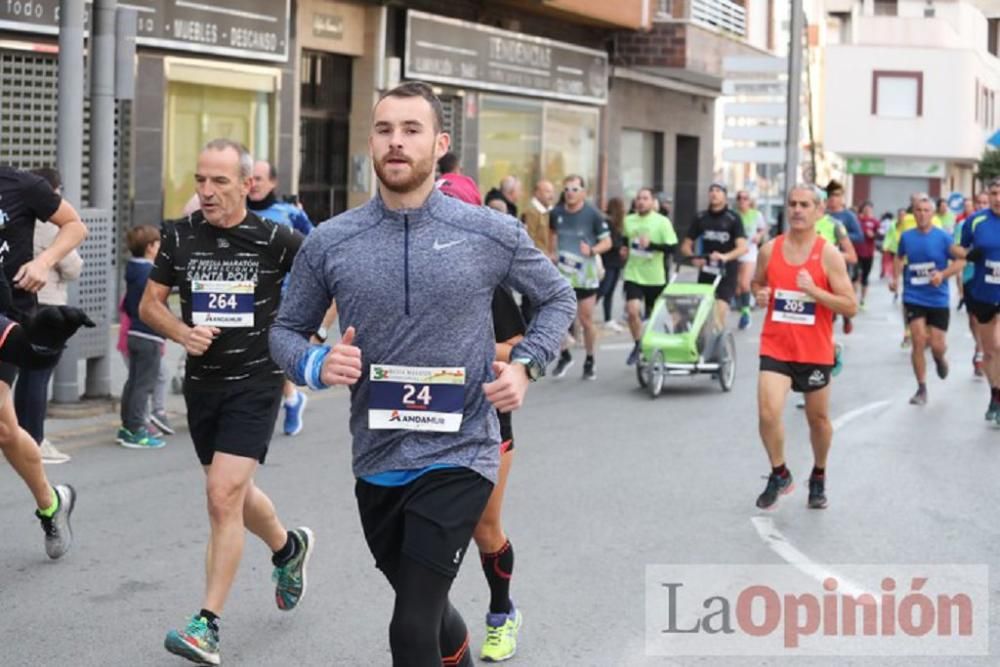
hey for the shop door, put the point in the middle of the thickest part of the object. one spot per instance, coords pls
(686, 182)
(197, 114)
(323, 128)
(890, 193)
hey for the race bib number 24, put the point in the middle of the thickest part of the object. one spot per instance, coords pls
(414, 398)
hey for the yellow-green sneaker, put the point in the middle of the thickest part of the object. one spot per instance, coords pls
(501, 636)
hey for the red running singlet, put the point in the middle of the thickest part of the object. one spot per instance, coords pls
(797, 328)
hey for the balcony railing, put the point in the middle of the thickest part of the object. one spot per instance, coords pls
(721, 15)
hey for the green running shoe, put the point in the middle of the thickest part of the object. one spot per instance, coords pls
(291, 577)
(198, 642)
(993, 411)
(501, 636)
(139, 439)
(838, 362)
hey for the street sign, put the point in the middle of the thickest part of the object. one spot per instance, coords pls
(956, 202)
(894, 166)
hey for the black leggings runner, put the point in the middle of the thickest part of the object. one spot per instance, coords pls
(426, 630)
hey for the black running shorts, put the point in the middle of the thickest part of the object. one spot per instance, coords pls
(726, 289)
(645, 293)
(984, 312)
(430, 520)
(237, 420)
(934, 317)
(805, 377)
(8, 373)
(582, 294)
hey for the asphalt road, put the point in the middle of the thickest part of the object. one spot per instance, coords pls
(606, 482)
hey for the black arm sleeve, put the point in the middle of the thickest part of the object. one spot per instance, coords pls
(662, 247)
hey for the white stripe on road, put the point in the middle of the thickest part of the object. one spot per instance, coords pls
(780, 545)
(842, 421)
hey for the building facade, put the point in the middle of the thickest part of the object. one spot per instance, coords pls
(910, 95)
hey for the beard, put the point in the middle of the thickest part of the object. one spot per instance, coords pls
(420, 171)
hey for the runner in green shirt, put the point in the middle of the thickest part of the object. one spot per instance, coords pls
(648, 236)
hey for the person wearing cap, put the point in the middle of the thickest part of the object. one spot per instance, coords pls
(723, 242)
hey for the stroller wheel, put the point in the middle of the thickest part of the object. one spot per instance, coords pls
(727, 361)
(641, 369)
(655, 374)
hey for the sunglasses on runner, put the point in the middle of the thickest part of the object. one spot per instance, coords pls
(572, 188)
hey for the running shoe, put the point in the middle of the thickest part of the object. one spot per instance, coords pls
(977, 364)
(633, 356)
(993, 411)
(817, 493)
(905, 345)
(776, 485)
(744, 321)
(140, 439)
(58, 531)
(563, 365)
(162, 422)
(293, 413)
(588, 370)
(613, 326)
(919, 398)
(838, 359)
(51, 455)
(291, 577)
(198, 642)
(941, 366)
(501, 636)
(848, 325)
(862, 307)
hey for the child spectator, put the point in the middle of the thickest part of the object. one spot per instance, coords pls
(144, 344)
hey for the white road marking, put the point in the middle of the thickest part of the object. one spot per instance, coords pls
(780, 545)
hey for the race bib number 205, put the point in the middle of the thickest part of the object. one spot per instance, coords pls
(414, 398)
(794, 307)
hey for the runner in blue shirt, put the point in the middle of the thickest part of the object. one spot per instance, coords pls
(980, 245)
(924, 260)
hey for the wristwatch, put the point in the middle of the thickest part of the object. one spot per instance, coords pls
(322, 334)
(531, 367)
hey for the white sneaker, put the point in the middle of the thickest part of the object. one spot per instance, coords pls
(52, 455)
(611, 325)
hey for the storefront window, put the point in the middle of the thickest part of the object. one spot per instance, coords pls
(637, 161)
(533, 139)
(570, 144)
(510, 142)
(196, 114)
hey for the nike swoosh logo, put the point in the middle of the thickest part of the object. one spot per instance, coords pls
(442, 246)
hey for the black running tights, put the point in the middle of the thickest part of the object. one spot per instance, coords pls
(426, 630)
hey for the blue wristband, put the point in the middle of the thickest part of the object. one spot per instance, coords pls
(310, 367)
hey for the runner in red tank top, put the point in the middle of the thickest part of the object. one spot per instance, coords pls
(802, 281)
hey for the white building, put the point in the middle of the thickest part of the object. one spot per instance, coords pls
(910, 94)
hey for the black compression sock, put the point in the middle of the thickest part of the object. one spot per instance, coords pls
(212, 619)
(287, 552)
(818, 472)
(780, 471)
(995, 394)
(498, 568)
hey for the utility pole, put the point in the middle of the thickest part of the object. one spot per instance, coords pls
(69, 160)
(794, 116)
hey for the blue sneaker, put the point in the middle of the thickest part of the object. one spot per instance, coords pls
(293, 414)
(838, 362)
(744, 320)
(633, 356)
(138, 439)
(198, 642)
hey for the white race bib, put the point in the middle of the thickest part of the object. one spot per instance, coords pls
(793, 307)
(638, 251)
(413, 398)
(920, 274)
(222, 303)
(992, 276)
